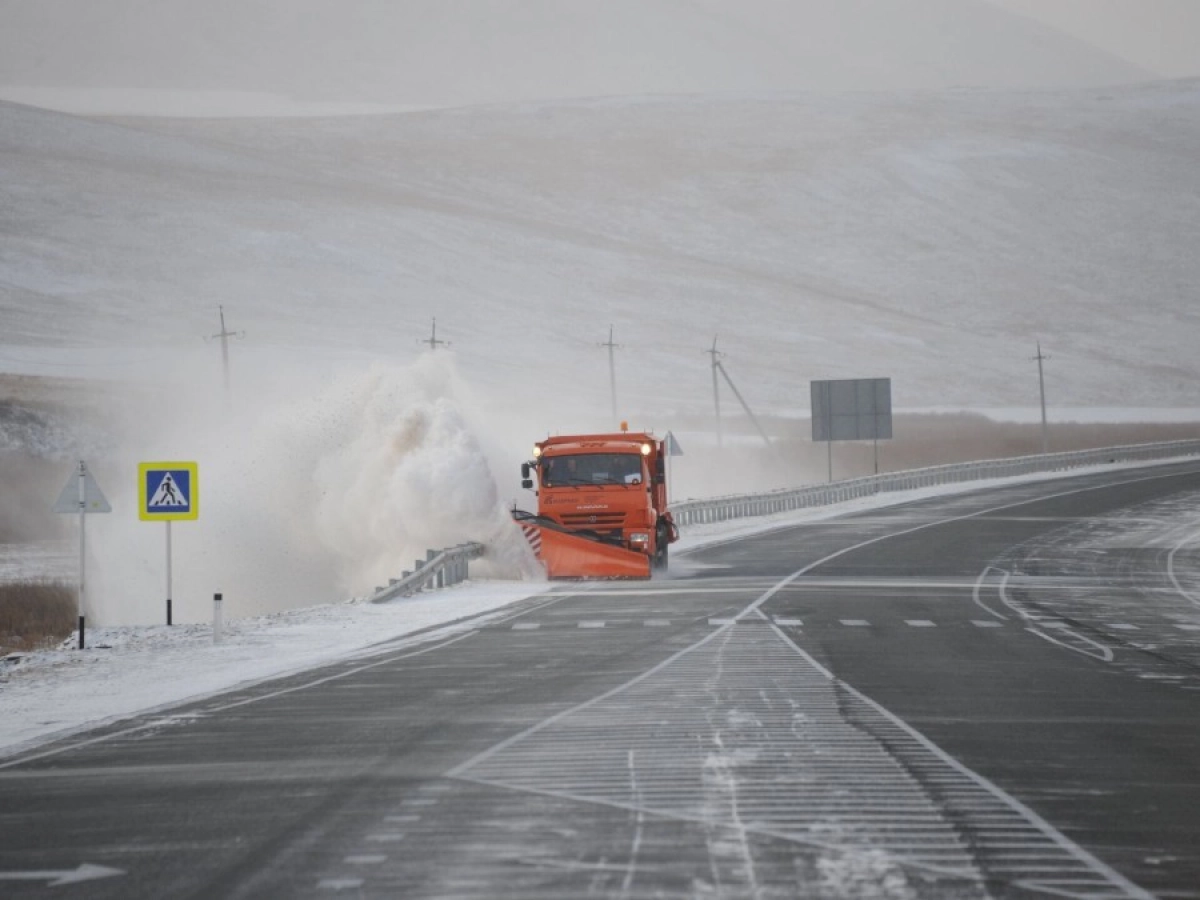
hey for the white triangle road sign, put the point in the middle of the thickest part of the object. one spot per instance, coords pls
(169, 493)
(673, 448)
(94, 500)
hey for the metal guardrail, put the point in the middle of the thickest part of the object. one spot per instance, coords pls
(439, 568)
(721, 509)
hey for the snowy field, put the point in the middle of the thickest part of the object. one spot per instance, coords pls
(128, 670)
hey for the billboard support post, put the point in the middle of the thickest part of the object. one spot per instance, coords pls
(851, 409)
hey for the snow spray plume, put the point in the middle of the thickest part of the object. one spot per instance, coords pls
(312, 500)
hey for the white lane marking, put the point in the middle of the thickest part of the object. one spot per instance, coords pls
(1188, 627)
(419, 801)
(365, 859)
(1187, 595)
(1097, 866)
(1035, 623)
(340, 884)
(1125, 627)
(986, 623)
(636, 793)
(979, 584)
(657, 623)
(920, 623)
(633, 592)
(402, 820)
(721, 622)
(591, 624)
(386, 837)
(855, 623)
(788, 623)
(527, 626)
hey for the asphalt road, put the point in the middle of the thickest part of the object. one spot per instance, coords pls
(993, 694)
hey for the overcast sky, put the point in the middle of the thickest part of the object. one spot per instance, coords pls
(270, 56)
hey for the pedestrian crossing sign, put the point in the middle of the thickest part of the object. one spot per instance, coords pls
(168, 491)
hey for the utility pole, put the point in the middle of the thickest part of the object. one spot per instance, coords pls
(745, 405)
(716, 355)
(1042, 390)
(612, 371)
(225, 334)
(432, 340)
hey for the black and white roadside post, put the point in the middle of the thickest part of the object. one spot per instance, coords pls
(167, 492)
(82, 495)
(216, 618)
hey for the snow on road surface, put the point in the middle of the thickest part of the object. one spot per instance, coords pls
(135, 669)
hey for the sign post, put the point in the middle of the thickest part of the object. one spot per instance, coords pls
(167, 492)
(851, 409)
(82, 495)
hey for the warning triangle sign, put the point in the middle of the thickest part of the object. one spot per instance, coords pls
(94, 500)
(168, 494)
(673, 448)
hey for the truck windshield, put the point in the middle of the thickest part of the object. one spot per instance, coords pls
(592, 468)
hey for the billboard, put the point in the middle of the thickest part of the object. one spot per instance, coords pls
(852, 409)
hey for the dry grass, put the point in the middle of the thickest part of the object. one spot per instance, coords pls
(35, 615)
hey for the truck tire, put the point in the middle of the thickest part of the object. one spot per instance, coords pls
(662, 541)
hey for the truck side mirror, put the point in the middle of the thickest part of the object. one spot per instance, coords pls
(660, 471)
(525, 470)
(527, 483)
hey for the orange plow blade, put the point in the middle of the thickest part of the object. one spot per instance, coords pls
(567, 555)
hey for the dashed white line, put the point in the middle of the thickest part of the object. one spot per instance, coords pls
(386, 837)
(365, 859)
(527, 626)
(591, 623)
(340, 884)
(855, 623)
(657, 623)
(920, 623)
(986, 623)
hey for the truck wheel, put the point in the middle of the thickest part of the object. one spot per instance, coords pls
(660, 554)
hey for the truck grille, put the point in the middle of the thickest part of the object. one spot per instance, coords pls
(597, 520)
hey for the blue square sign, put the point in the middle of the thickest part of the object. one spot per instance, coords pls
(168, 491)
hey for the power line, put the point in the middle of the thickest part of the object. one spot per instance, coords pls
(718, 366)
(433, 340)
(716, 355)
(612, 370)
(225, 334)
(1042, 391)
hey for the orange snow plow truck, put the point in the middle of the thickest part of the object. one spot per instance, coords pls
(602, 505)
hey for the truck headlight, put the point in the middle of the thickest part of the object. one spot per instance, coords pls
(639, 537)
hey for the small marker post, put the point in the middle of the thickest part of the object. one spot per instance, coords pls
(216, 618)
(82, 541)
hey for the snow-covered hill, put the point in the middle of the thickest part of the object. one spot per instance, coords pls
(929, 237)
